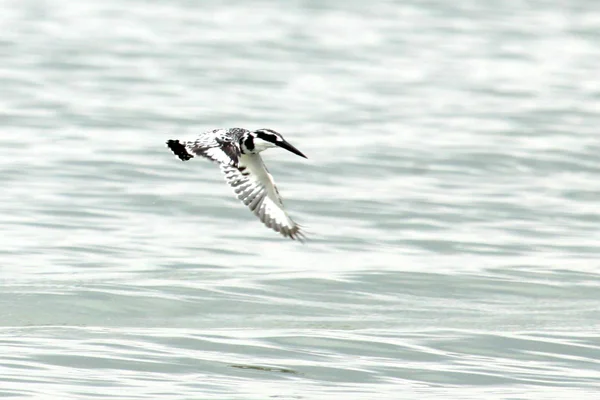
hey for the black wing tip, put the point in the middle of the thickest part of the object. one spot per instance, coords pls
(298, 236)
(179, 149)
(295, 234)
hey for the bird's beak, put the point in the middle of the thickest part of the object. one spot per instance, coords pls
(289, 147)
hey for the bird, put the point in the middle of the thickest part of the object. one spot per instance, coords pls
(237, 151)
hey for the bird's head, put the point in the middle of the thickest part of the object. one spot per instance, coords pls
(263, 139)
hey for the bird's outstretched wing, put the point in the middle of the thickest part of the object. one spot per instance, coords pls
(218, 148)
(255, 187)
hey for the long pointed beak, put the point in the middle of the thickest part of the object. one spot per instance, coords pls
(289, 147)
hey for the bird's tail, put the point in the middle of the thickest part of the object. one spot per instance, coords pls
(179, 149)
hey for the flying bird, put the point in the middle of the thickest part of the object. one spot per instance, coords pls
(237, 151)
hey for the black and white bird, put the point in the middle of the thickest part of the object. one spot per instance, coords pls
(237, 151)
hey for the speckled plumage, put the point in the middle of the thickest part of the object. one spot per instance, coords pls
(237, 150)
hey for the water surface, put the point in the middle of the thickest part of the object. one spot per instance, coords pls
(451, 198)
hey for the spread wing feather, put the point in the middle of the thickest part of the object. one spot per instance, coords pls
(245, 173)
(254, 186)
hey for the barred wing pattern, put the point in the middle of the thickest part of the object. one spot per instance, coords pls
(255, 187)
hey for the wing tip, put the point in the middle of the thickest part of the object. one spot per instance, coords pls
(294, 233)
(179, 150)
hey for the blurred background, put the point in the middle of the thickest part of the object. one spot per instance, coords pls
(451, 196)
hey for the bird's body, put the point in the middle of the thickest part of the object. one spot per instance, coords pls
(237, 150)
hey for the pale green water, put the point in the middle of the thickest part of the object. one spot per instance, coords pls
(452, 195)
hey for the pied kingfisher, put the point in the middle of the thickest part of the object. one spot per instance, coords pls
(237, 151)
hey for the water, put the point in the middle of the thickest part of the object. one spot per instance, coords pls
(451, 197)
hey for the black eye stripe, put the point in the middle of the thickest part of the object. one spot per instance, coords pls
(249, 143)
(269, 137)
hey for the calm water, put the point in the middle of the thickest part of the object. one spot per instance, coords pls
(452, 195)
